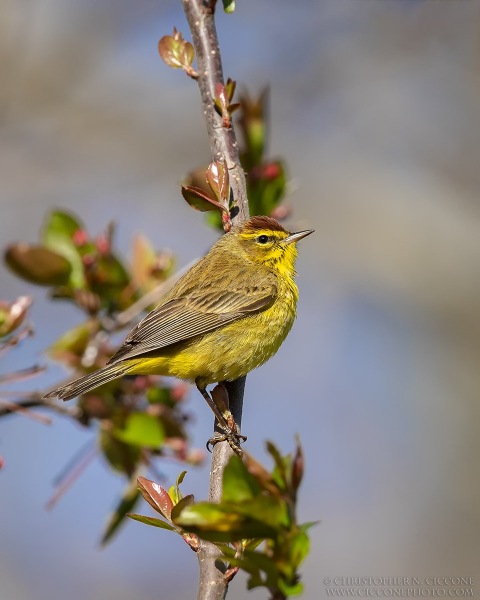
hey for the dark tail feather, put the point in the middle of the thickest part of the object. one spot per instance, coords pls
(87, 382)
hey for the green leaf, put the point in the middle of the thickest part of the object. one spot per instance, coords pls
(266, 187)
(142, 430)
(38, 264)
(108, 278)
(127, 502)
(152, 521)
(57, 235)
(308, 525)
(254, 563)
(280, 470)
(238, 484)
(174, 491)
(182, 503)
(122, 457)
(70, 346)
(229, 6)
(261, 474)
(221, 523)
(269, 510)
(290, 589)
(299, 546)
(253, 123)
(61, 223)
(214, 219)
(160, 395)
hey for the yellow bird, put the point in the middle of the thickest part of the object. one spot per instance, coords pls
(226, 316)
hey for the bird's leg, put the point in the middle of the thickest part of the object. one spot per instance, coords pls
(222, 402)
(224, 418)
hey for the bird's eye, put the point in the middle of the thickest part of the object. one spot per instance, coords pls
(262, 239)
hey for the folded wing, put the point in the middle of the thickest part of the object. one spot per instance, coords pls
(198, 311)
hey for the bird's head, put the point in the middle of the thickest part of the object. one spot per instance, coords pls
(266, 242)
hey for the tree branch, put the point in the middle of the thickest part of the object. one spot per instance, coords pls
(223, 144)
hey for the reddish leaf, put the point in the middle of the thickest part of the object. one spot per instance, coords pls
(218, 179)
(297, 468)
(230, 88)
(233, 107)
(200, 201)
(12, 315)
(221, 103)
(177, 53)
(220, 397)
(156, 496)
(221, 96)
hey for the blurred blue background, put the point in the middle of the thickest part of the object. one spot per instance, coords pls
(375, 107)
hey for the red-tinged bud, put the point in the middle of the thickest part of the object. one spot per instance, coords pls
(230, 573)
(178, 391)
(271, 171)
(88, 260)
(103, 244)
(226, 222)
(80, 237)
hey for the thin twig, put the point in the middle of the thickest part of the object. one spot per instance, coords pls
(72, 473)
(13, 341)
(223, 144)
(36, 401)
(14, 407)
(21, 374)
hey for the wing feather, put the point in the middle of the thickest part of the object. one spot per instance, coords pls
(199, 310)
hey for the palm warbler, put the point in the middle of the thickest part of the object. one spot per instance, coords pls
(226, 316)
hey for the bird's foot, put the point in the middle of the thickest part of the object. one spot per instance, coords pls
(234, 440)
